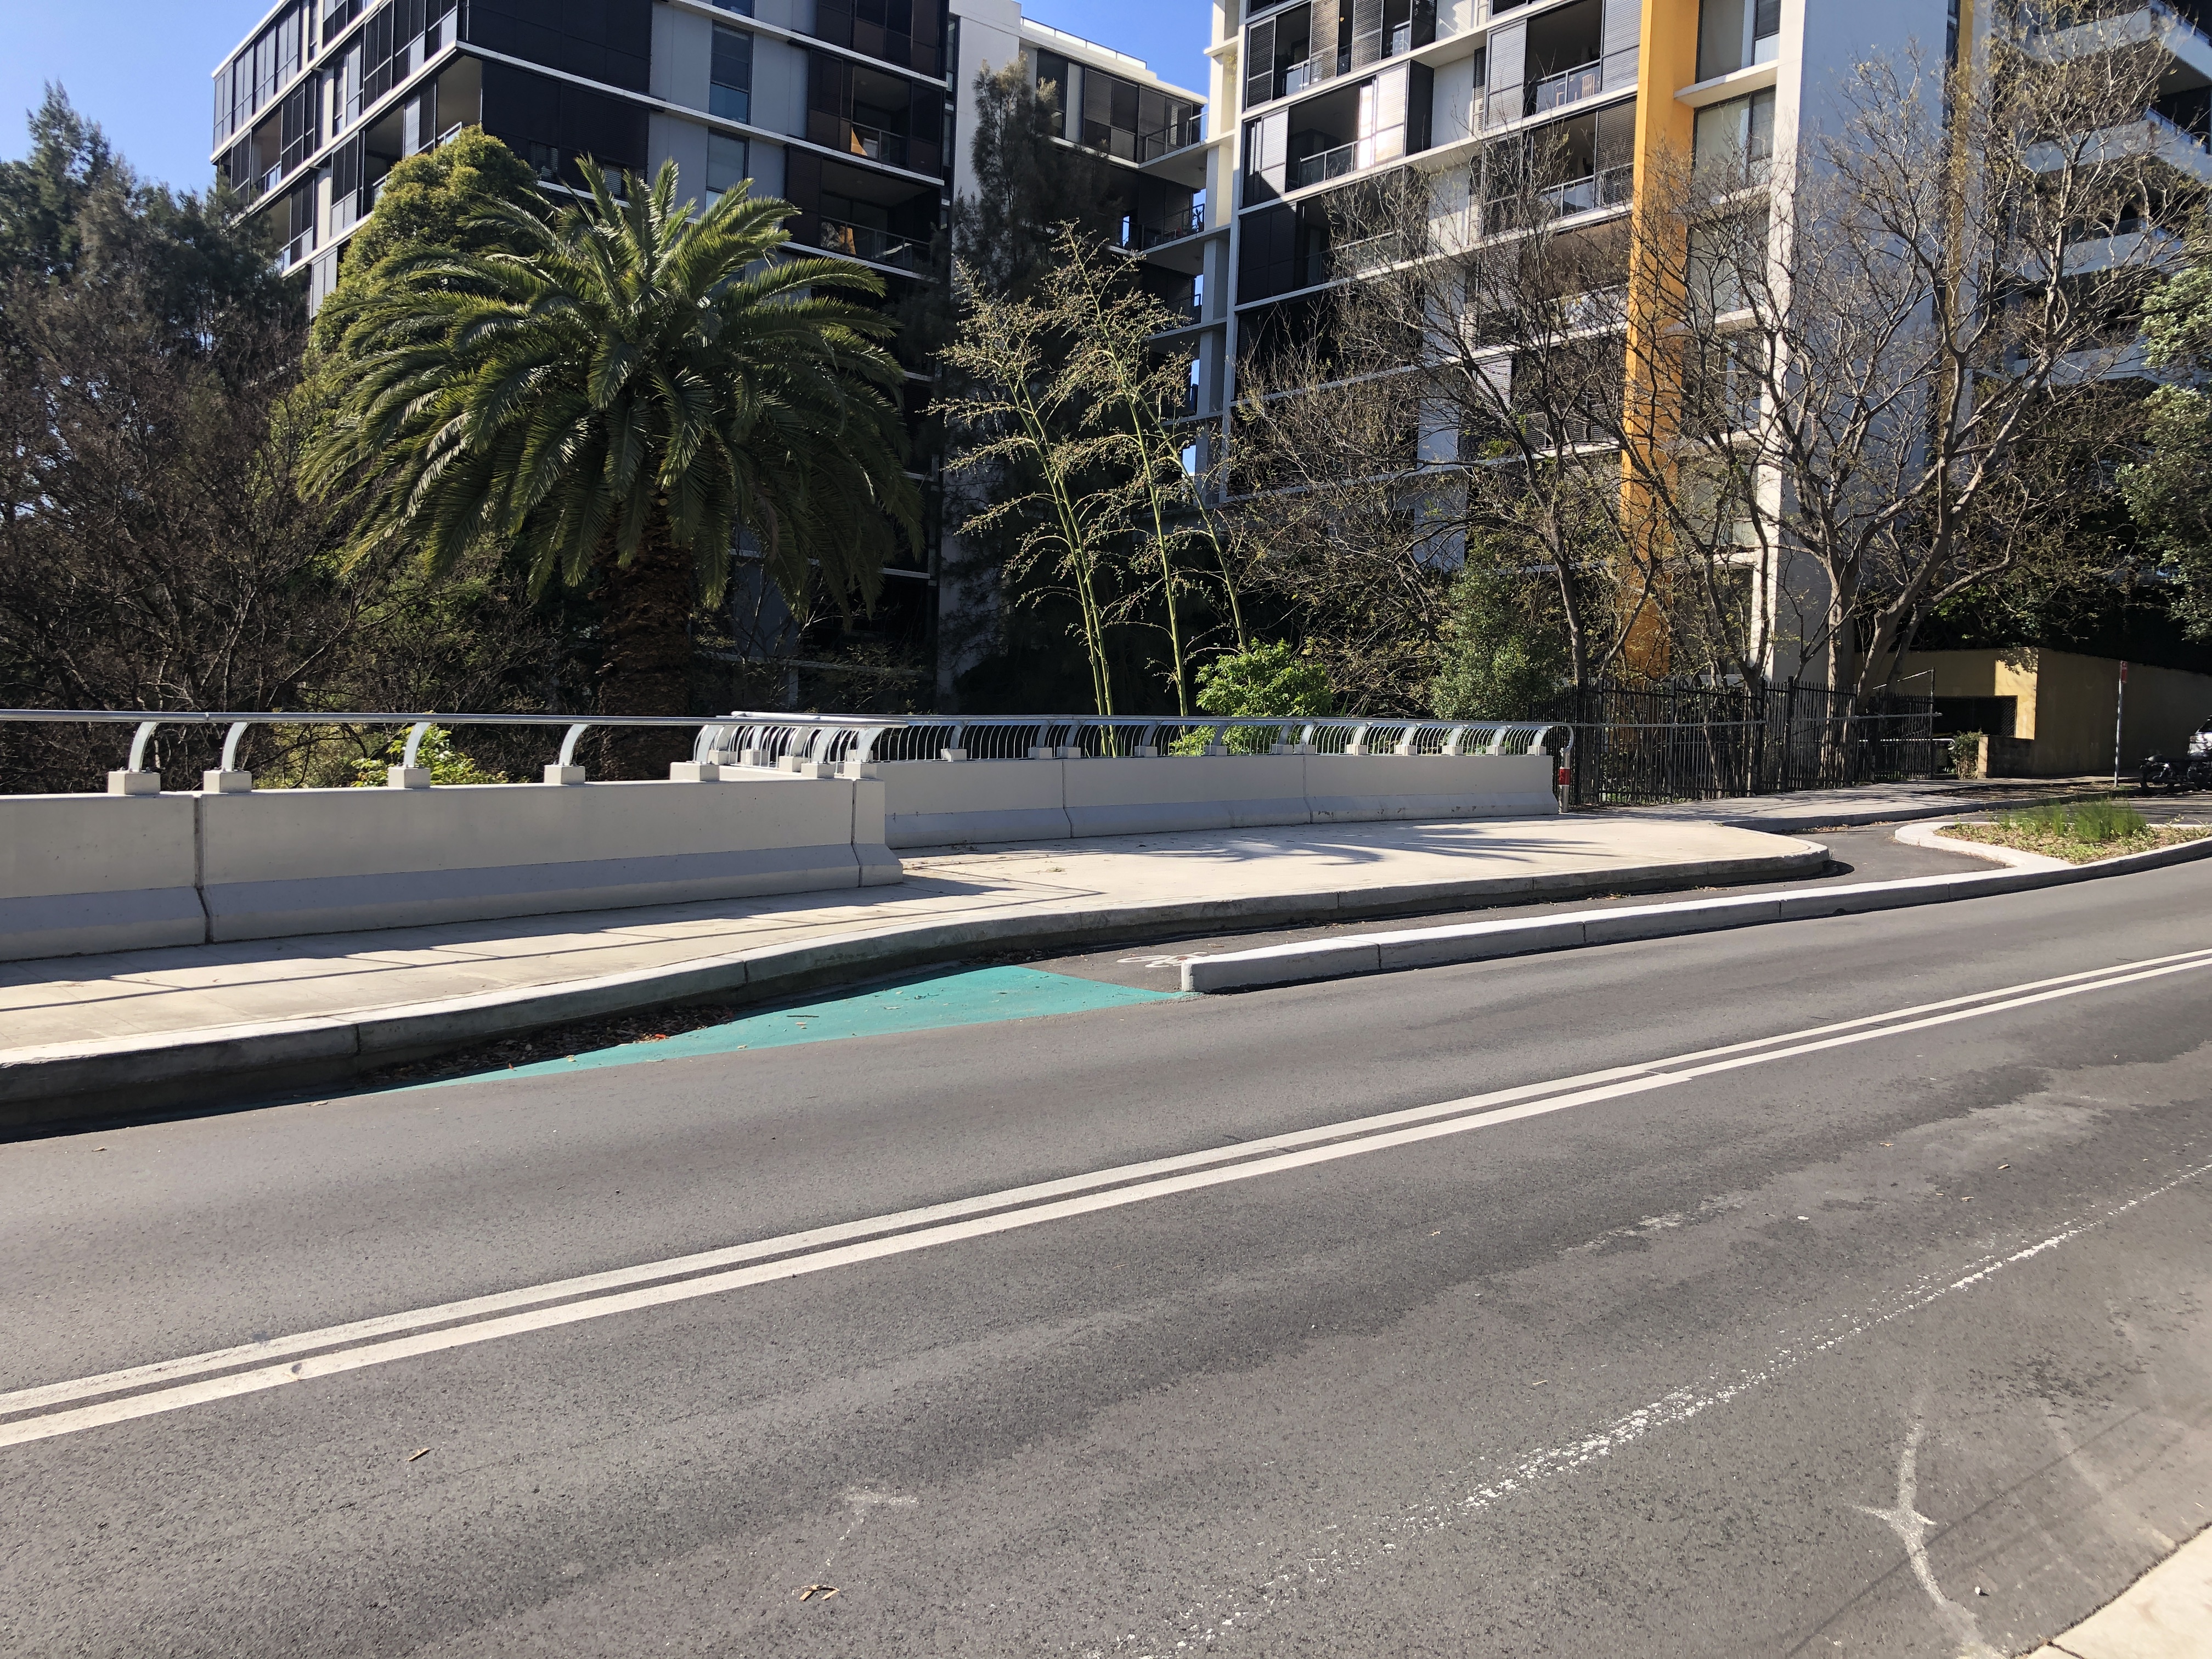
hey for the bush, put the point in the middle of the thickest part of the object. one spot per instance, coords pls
(1266, 680)
(446, 763)
(1504, 655)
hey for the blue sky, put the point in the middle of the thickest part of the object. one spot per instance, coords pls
(141, 70)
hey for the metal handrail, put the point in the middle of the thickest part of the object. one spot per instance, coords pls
(839, 735)
(1324, 165)
(800, 741)
(1566, 87)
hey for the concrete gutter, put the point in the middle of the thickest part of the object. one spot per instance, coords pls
(1484, 941)
(249, 1062)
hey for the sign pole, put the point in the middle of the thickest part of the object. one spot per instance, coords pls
(2120, 709)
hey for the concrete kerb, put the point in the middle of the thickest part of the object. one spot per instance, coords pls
(56, 1083)
(1483, 941)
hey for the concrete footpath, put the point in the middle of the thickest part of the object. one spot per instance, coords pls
(2165, 1615)
(137, 1030)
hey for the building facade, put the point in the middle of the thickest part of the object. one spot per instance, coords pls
(1316, 101)
(857, 112)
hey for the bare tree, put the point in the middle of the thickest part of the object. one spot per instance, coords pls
(1462, 402)
(1859, 365)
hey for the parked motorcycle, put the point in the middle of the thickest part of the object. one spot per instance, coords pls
(2175, 772)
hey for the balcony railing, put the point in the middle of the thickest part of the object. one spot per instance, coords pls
(873, 143)
(1167, 140)
(1568, 86)
(1329, 164)
(1600, 190)
(1137, 237)
(883, 248)
(1367, 253)
(1311, 72)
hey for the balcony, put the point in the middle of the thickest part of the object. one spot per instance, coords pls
(873, 143)
(881, 247)
(1167, 140)
(1611, 188)
(1311, 72)
(1568, 86)
(1137, 237)
(2058, 30)
(1329, 164)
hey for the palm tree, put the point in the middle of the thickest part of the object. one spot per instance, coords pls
(615, 392)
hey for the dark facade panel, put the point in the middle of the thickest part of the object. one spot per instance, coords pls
(605, 40)
(551, 123)
(910, 34)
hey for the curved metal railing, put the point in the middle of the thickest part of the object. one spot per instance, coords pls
(743, 738)
(839, 732)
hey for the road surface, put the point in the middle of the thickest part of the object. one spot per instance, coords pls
(1842, 1286)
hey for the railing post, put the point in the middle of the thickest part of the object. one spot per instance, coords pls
(565, 769)
(227, 778)
(134, 779)
(407, 774)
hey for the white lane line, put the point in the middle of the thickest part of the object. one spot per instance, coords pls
(1457, 1117)
(54, 1393)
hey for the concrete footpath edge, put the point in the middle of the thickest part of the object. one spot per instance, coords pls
(2163, 1614)
(1484, 941)
(242, 1064)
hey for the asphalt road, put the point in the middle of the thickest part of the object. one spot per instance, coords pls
(1891, 1337)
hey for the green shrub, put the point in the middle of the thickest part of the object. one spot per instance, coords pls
(1504, 655)
(1265, 681)
(446, 763)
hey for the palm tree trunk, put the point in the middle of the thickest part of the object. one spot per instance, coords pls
(647, 668)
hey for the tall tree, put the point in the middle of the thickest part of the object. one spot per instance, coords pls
(1029, 185)
(618, 397)
(1861, 370)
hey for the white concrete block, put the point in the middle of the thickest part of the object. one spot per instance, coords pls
(1279, 964)
(1668, 920)
(1482, 941)
(563, 775)
(82, 873)
(227, 783)
(407, 777)
(134, 783)
(694, 772)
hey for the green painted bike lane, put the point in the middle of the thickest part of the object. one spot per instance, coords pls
(976, 996)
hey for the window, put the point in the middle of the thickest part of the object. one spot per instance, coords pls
(1738, 135)
(727, 163)
(1734, 34)
(1052, 75)
(744, 7)
(730, 94)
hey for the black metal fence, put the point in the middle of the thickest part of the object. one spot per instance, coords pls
(1686, 744)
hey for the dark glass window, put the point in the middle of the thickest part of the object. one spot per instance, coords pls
(726, 162)
(730, 89)
(1052, 75)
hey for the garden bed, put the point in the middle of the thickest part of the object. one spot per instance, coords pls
(2080, 832)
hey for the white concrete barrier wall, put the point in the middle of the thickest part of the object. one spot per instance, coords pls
(82, 873)
(938, 803)
(97, 873)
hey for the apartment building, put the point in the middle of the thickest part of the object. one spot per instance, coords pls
(1318, 100)
(857, 112)
(1317, 97)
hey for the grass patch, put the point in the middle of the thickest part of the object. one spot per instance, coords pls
(2079, 831)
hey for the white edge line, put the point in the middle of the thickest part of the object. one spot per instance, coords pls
(38, 1397)
(55, 1424)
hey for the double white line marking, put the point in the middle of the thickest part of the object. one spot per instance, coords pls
(43, 1412)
